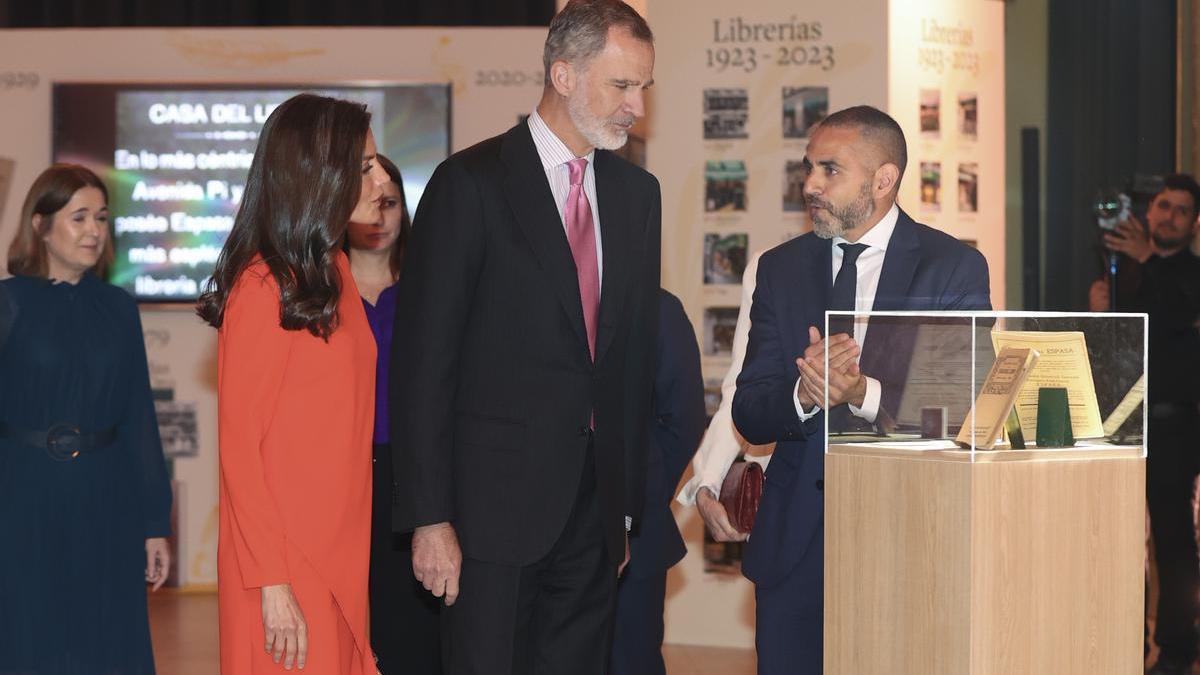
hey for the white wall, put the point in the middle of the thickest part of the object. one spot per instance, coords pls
(953, 47)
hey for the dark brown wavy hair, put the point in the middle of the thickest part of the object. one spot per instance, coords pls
(50, 192)
(303, 185)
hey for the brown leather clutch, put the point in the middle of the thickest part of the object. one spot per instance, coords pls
(741, 492)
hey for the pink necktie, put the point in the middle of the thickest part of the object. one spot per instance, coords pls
(581, 235)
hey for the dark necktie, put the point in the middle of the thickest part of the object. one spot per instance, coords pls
(844, 288)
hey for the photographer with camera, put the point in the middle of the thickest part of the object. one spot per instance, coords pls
(1160, 275)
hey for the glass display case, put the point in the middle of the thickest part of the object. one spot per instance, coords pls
(981, 386)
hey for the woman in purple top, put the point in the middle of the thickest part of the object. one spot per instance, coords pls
(404, 616)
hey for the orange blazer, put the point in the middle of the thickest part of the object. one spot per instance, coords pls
(295, 414)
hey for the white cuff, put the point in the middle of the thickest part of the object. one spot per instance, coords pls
(870, 407)
(628, 523)
(804, 416)
(719, 447)
(691, 490)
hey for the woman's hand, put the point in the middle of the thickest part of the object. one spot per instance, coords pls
(158, 562)
(284, 625)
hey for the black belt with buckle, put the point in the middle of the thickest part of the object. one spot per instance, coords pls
(61, 441)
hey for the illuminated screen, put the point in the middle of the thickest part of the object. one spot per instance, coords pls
(175, 160)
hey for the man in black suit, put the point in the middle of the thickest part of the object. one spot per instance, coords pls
(656, 545)
(523, 362)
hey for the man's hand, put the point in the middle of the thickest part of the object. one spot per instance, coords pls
(1130, 238)
(848, 386)
(806, 401)
(846, 383)
(716, 518)
(437, 560)
(625, 562)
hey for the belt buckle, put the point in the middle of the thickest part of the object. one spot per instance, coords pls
(63, 442)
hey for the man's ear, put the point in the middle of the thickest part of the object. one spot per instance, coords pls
(563, 77)
(887, 177)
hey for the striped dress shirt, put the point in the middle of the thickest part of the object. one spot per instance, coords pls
(554, 155)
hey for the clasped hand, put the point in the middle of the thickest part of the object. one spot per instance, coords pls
(846, 381)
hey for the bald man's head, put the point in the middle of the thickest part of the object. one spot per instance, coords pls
(881, 133)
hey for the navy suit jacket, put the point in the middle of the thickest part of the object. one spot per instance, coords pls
(676, 428)
(924, 269)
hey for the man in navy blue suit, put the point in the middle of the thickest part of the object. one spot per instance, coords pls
(864, 254)
(655, 545)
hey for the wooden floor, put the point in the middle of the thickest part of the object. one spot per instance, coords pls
(184, 628)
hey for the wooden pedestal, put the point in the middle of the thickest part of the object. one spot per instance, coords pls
(1020, 563)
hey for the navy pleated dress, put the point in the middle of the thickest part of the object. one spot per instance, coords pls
(73, 531)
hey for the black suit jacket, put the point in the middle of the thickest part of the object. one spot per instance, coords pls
(493, 386)
(676, 428)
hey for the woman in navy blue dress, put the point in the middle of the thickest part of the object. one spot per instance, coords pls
(404, 616)
(84, 496)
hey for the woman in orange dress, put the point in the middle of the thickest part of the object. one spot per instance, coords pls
(295, 381)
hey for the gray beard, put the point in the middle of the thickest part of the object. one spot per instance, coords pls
(592, 128)
(846, 218)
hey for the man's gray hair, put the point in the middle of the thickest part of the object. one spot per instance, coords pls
(579, 32)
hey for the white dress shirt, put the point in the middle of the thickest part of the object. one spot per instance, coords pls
(869, 266)
(722, 442)
(555, 155)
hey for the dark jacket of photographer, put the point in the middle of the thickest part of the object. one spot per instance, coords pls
(1169, 291)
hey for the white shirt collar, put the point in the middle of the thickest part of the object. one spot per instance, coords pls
(879, 235)
(551, 149)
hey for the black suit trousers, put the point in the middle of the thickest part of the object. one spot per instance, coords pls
(404, 616)
(1171, 467)
(637, 645)
(553, 617)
